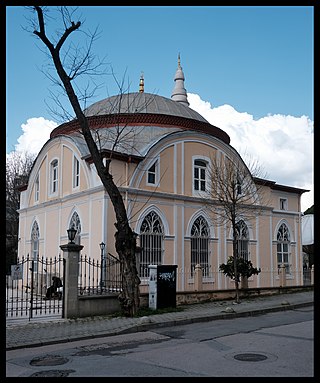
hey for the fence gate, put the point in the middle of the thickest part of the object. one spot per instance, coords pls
(26, 289)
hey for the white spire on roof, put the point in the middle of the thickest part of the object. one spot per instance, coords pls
(179, 92)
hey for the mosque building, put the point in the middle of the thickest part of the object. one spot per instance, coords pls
(161, 152)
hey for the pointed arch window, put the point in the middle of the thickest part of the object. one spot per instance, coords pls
(35, 244)
(76, 224)
(242, 235)
(200, 245)
(151, 243)
(283, 247)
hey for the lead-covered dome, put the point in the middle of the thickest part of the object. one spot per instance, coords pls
(143, 118)
(141, 102)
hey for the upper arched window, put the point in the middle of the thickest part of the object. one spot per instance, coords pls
(54, 177)
(199, 175)
(76, 172)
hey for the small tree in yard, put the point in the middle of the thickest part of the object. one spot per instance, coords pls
(234, 194)
(244, 268)
(68, 65)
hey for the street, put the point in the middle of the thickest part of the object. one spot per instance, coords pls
(279, 344)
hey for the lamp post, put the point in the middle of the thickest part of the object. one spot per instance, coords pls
(103, 266)
(71, 234)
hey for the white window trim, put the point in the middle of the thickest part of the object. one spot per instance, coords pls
(156, 162)
(51, 192)
(285, 203)
(195, 192)
(74, 174)
(37, 188)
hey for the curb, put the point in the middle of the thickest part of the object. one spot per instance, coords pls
(177, 322)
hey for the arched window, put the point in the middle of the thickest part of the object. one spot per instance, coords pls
(75, 224)
(35, 244)
(200, 245)
(151, 243)
(242, 234)
(54, 176)
(199, 175)
(283, 243)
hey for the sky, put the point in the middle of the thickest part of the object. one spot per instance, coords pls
(249, 70)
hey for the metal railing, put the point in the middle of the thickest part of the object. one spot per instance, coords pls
(96, 278)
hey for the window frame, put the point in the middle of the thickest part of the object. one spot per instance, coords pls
(283, 203)
(151, 243)
(37, 188)
(200, 246)
(75, 173)
(199, 179)
(284, 247)
(54, 176)
(154, 173)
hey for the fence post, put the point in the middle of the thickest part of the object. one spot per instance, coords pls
(198, 278)
(70, 284)
(312, 275)
(282, 275)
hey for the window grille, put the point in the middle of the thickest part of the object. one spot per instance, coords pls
(151, 243)
(242, 234)
(200, 246)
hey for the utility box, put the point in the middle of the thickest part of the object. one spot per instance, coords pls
(162, 286)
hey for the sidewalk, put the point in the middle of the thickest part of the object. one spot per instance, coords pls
(47, 332)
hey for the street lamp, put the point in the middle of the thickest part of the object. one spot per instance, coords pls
(71, 234)
(102, 278)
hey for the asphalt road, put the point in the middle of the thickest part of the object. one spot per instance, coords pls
(279, 344)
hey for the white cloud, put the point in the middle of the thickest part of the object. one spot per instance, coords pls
(35, 134)
(282, 145)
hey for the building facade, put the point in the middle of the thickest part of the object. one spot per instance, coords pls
(161, 151)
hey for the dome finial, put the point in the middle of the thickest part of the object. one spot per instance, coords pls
(179, 93)
(141, 84)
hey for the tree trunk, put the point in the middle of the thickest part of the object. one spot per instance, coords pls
(125, 237)
(235, 258)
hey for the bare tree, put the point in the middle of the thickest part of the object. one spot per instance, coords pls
(83, 63)
(18, 167)
(235, 193)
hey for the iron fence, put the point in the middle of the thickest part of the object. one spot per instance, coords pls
(99, 277)
(27, 285)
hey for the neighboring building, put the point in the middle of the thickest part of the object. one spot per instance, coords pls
(161, 169)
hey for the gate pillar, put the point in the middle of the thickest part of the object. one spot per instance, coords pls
(70, 289)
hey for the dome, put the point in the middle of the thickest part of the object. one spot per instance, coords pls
(140, 109)
(142, 102)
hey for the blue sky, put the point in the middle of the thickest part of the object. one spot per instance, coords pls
(259, 60)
